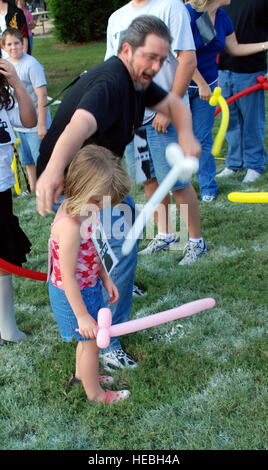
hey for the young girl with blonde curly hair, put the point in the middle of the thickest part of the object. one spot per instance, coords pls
(75, 287)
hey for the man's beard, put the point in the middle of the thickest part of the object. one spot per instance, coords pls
(137, 85)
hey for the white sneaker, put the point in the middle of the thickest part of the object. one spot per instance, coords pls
(116, 359)
(208, 198)
(158, 244)
(192, 252)
(225, 172)
(138, 292)
(251, 176)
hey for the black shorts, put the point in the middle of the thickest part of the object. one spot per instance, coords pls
(14, 244)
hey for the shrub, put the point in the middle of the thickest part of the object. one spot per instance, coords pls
(82, 20)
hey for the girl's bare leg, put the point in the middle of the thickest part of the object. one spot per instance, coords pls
(31, 172)
(87, 369)
(161, 212)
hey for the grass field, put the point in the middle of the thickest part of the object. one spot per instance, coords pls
(201, 382)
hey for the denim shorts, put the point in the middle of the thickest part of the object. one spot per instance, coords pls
(28, 148)
(64, 315)
(157, 143)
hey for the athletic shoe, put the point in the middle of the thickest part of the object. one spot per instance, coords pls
(116, 359)
(193, 251)
(138, 292)
(225, 172)
(24, 194)
(251, 176)
(158, 244)
(208, 198)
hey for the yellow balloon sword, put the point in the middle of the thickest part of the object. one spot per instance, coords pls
(215, 99)
(260, 197)
(14, 168)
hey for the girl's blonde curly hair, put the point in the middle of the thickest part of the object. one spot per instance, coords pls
(94, 171)
(199, 5)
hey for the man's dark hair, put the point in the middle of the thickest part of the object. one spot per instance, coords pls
(140, 28)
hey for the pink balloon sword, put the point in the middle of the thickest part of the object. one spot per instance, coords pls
(107, 330)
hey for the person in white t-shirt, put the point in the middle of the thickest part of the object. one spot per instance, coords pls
(31, 73)
(157, 132)
(14, 244)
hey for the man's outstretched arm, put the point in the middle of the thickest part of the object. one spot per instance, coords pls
(51, 183)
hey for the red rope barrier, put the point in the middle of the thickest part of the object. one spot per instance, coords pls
(22, 272)
(262, 84)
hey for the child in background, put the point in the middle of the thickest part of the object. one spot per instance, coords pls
(213, 32)
(14, 245)
(74, 287)
(31, 73)
(11, 15)
(30, 21)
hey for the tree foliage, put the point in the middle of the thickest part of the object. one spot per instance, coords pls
(82, 20)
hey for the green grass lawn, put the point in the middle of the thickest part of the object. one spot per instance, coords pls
(201, 382)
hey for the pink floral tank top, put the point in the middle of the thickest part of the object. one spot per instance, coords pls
(88, 261)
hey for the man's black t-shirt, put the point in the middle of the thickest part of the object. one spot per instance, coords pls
(250, 20)
(107, 91)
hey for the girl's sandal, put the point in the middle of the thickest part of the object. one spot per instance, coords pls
(113, 397)
(106, 379)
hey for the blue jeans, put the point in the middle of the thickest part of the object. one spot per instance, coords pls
(124, 271)
(30, 38)
(157, 143)
(245, 135)
(203, 120)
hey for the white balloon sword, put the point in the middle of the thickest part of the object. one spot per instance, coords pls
(181, 168)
